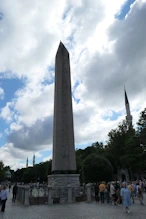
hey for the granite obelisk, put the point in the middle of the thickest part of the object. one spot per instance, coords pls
(64, 175)
(64, 160)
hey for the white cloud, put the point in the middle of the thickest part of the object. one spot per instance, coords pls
(6, 112)
(35, 138)
(34, 104)
(15, 157)
(15, 126)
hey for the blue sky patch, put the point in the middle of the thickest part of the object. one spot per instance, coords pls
(1, 16)
(113, 117)
(124, 10)
(83, 146)
(51, 78)
(3, 127)
(74, 88)
(65, 14)
(10, 86)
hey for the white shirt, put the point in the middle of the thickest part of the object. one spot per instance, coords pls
(112, 189)
(138, 187)
(4, 194)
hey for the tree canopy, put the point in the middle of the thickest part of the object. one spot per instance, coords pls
(96, 168)
(2, 171)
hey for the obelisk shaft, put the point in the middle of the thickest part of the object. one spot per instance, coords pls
(64, 160)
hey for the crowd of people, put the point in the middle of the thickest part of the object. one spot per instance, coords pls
(120, 193)
(115, 193)
(4, 194)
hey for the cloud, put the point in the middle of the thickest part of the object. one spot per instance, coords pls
(104, 75)
(6, 112)
(1, 93)
(35, 138)
(16, 157)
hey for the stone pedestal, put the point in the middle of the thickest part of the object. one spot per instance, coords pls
(69, 194)
(50, 199)
(59, 184)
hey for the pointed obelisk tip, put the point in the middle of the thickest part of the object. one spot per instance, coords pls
(62, 48)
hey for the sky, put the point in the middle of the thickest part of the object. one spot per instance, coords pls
(106, 41)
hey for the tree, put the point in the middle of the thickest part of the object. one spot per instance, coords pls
(116, 143)
(142, 129)
(123, 146)
(33, 174)
(96, 168)
(2, 171)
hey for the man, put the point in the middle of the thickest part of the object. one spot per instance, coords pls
(4, 196)
(101, 190)
(14, 192)
(96, 190)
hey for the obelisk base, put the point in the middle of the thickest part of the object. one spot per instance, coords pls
(59, 184)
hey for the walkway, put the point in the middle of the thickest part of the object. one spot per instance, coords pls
(72, 211)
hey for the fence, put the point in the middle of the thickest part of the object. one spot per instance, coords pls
(31, 195)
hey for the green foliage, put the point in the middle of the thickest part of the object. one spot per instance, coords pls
(2, 171)
(124, 147)
(142, 129)
(96, 168)
(33, 174)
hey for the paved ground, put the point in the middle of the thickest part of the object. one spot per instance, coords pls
(72, 211)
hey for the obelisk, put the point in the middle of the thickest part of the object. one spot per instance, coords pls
(64, 160)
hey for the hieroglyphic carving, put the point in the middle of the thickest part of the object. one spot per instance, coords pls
(65, 128)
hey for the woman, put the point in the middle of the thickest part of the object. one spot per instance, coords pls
(125, 194)
(4, 196)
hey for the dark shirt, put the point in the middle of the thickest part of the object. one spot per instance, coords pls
(15, 189)
(96, 189)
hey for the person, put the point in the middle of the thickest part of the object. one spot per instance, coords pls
(113, 193)
(0, 194)
(4, 196)
(126, 199)
(132, 191)
(144, 186)
(14, 192)
(101, 190)
(140, 193)
(96, 190)
(9, 187)
(107, 192)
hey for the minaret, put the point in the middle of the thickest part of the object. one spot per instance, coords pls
(33, 160)
(128, 116)
(27, 163)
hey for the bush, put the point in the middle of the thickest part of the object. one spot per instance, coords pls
(96, 168)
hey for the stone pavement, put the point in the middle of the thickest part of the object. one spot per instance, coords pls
(72, 211)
